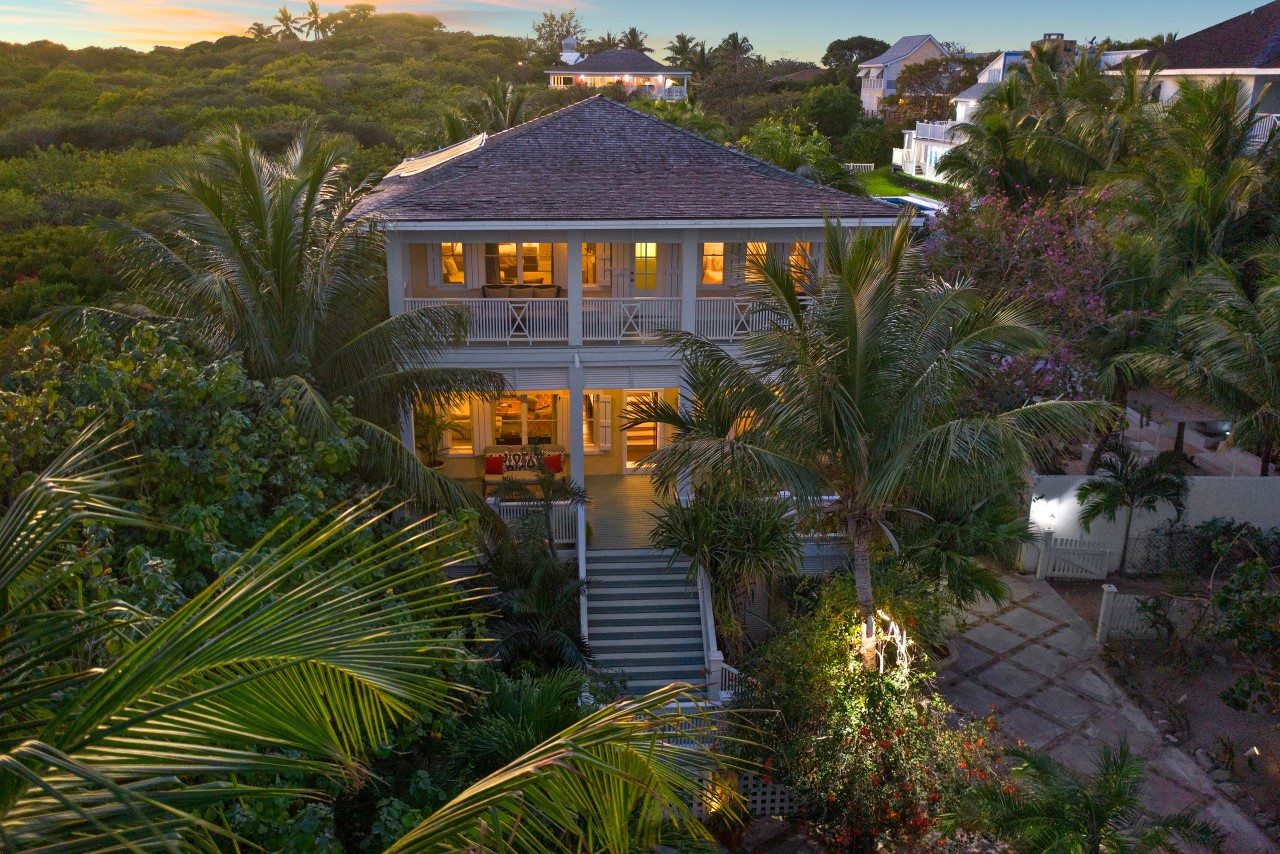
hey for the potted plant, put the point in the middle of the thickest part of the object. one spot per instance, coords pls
(430, 427)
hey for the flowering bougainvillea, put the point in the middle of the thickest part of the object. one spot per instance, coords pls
(1051, 252)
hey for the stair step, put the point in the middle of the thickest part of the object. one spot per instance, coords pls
(666, 590)
(610, 646)
(641, 577)
(666, 630)
(681, 611)
(666, 672)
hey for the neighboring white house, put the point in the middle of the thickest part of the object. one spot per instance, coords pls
(632, 70)
(1246, 47)
(924, 145)
(879, 75)
(571, 242)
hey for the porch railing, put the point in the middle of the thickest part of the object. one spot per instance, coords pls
(564, 517)
(509, 321)
(728, 318)
(617, 321)
(938, 131)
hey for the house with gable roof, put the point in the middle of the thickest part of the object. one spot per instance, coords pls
(879, 74)
(571, 242)
(632, 70)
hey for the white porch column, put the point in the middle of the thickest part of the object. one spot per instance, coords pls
(573, 270)
(577, 385)
(689, 281)
(397, 273)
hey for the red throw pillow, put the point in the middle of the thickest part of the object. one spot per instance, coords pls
(555, 462)
(493, 464)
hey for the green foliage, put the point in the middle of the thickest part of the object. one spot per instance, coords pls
(785, 143)
(869, 141)
(867, 752)
(1047, 807)
(744, 542)
(1130, 484)
(831, 109)
(842, 53)
(1248, 614)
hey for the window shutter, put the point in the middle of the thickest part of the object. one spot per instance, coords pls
(481, 425)
(435, 275)
(473, 265)
(562, 421)
(604, 422)
(735, 264)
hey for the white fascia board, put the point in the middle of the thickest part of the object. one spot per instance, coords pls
(1209, 72)
(543, 356)
(622, 224)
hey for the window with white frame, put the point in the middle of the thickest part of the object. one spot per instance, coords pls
(452, 265)
(713, 264)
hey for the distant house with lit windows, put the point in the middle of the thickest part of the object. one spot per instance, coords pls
(632, 70)
(571, 242)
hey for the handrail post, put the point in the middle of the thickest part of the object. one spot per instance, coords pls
(582, 567)
(1104, 611)
(1046, 549)
(714, 659)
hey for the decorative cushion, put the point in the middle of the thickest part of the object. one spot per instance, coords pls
(555, 462)
(493, 464)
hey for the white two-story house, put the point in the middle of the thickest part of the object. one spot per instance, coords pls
(571, 241)
(878, 76)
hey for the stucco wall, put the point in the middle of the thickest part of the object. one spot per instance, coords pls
(1246, 499)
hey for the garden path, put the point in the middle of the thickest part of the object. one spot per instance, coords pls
(1036, 663)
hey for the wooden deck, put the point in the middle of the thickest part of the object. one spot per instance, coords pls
(619, 509)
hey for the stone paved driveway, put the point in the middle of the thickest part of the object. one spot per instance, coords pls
(1036, 662)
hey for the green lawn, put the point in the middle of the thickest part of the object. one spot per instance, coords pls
(878, 184)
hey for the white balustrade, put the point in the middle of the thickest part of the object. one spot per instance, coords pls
(730, 318)
(611, 320)
(564, 517)
(509, 321)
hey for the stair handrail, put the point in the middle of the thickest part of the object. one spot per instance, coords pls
(582, 569)
(714, 658)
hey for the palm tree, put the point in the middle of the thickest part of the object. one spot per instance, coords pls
(547, 490)
(734, 49)
(263, 256)
(501, 106)
(289, 25)
(314, 22)
(274, 669)
(686, 115)
(682, 51)
(608, 41)
(261, 32)
(1130, 484)
(851, 395)
(633, 39)
(1196, 177)
(1050, 808)
(1227, 352)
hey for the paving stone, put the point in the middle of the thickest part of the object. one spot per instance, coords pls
(1127, 725)
(972, 697)
(1181, 769)
(1023, 588)
(1064, 706)
(968, 656)
(1095, 684)
(1242, 834)
(985, 608)
(1011, 679)
(1049, 603)
(1163, 796)
(1027, 622)
(1079, 753)
(1034, 729)
(995, 638)
(1075, 643)
(1042, 659)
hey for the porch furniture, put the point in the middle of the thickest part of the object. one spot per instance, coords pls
(546, 291)
(521, 291)
(521, 463)
(496, 291)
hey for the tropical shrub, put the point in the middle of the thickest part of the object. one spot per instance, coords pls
(868, 753)
(1247, 614)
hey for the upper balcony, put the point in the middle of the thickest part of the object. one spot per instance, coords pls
(515, 294)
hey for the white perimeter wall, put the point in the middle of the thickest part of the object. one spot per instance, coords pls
(1245, 499)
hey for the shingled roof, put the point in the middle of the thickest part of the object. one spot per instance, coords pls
(618, 62)
(1251, 40)
(900, 49)
(599, 160)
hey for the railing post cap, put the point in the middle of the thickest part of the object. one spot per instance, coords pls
(1108, 588)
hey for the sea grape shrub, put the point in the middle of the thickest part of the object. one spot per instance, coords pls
(1051, 252)
(222, 459)
(867, 753)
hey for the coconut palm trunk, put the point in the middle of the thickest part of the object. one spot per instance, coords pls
(1124, 545)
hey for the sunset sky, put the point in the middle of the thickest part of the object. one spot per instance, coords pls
(799, 30)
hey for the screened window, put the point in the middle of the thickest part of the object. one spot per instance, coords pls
(451, 265)
(713, 263)
(518, 264)
(536, 267)
(461, 439)
(590, 265)
(800, 259)
(646, 266)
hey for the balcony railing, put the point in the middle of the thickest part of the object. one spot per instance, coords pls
(729, 319)
(937, 131)
(1259, 133)
(618, 321)
(509, 321)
